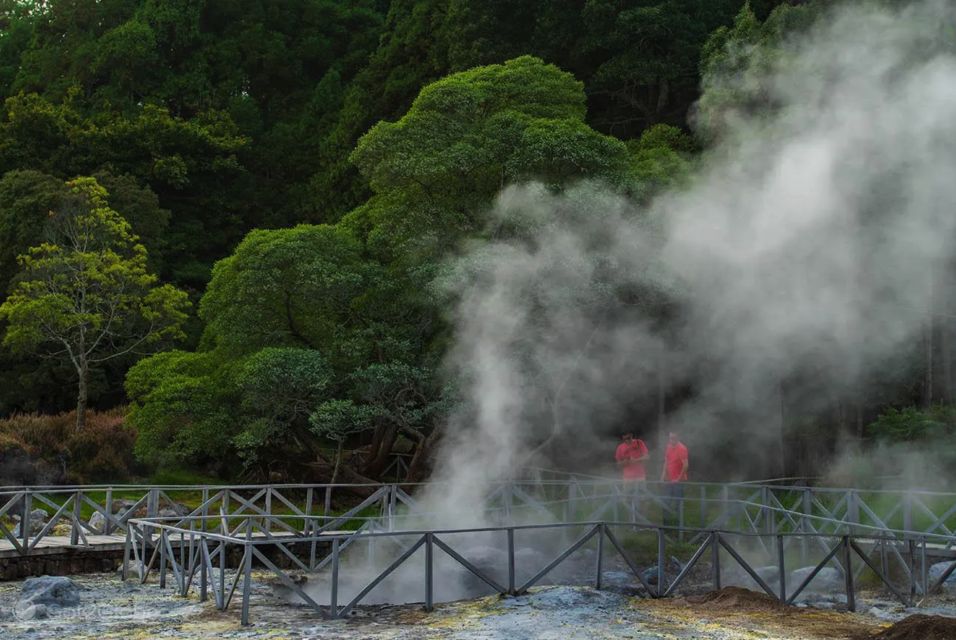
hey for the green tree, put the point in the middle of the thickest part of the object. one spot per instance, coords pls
(86, 295)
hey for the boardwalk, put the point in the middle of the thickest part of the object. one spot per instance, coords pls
(59, 544)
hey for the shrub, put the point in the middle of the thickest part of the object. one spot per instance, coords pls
(40, 449)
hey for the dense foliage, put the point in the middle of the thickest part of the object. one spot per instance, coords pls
(303, 169)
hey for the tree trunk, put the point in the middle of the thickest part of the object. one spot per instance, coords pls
(378, 457)
(338, 461)
(82, 393)
(417, 467)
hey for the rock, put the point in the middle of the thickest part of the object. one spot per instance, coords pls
(829, 579)
(882, 614)
(33, 612)
(650, 575)
(61, 529)
(122, 506)
(38, 519)
(135, 569)
(567, 597)
(622, 581)
(49, 590)
(175, 510)
(936, 572)
(739, 578)
(178, 508)
(98, 522)
(671, 569)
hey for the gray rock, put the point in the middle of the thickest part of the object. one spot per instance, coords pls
(33, 612)
(98, 521)
(671, 568)
(38, 520)
(123, 505)
(829, 579)
(936, 572)
(171, 513)
(174, 509)
(134, 569)
(49, 590)
(739, 578)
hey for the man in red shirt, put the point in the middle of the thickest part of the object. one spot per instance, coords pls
(630, 457)
(674, 471)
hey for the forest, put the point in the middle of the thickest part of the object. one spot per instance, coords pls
(222, 221)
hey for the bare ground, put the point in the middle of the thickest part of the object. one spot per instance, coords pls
(111, 609)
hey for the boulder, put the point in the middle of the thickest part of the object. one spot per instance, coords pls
(38, 519)
(829, 579)
(61, 529)
(123, 505)
(134, 569)
(56, 591)
(737, 577)
(98, 522)
(936, 571)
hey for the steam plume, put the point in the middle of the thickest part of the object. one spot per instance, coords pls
(802, 261)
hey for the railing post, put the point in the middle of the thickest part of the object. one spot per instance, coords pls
(907, 512)
(392, 497)
(204, 513)
(805, 525)
(429, 572)
(782, 568)
(600, 556)
(660, 562)
(848, 566)
(268, 527)
(127, 545)
(334, 591)
(25, 521)
(724, 506)
(152, 503)
(162, 558)
(680, 514)
(307, 525)
(77, 515)
(246, 578)
(715, 557)
(328, 501)
(924, 577)
(203, 551)
(511, 560)
(108, 523)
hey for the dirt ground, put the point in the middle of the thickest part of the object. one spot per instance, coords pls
(757, 615)
(111, 609)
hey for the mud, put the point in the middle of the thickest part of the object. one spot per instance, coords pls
(918, 627)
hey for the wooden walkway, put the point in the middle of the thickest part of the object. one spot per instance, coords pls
(49, 545)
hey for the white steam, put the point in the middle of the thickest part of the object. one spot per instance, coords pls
(801, 261)
(794, 272)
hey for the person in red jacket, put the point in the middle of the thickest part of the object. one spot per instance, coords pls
(674, 471)
(630, 457)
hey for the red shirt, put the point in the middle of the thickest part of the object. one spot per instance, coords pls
(633, 469)
(674, 459)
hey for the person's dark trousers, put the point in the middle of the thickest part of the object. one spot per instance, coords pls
(674, 492)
